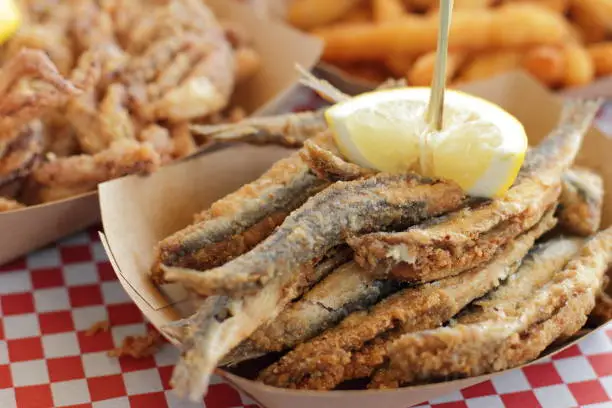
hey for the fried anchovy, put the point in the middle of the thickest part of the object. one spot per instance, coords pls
(222, 323)
(236, 223)
(290, 130)
(581, 202)
(327, 164)
(347, 289)
(557, 253)
(323, 222)
(260, 206)
(470, 237)
(338, 354)
(511, 328)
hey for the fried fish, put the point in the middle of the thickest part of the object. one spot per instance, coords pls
(581, 202)
(290, 130)
(347, 289)
(512, 326)
(255, 209)
(222, 323)
(357, 346)
(471, 236)
(326, 163)
(322, 223)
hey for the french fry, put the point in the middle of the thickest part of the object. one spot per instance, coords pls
(467, 4)
(511, 26)
(399, 64)
(371, 72)
(489, 64)
(360, 14)
(559, 6)
(601, 55)
(422, 71)
(247, 62)
(594, 17)
(307, 14)
(576, 33)
(421, 5)
(579, 67)
(387, 10)
(545, 63)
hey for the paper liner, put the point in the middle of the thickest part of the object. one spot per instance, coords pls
(137, 213)
(280, 48)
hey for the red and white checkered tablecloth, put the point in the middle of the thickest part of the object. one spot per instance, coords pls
(51, 297)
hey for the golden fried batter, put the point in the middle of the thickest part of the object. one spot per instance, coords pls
(84, 172)
(355, 347)
(492, 339)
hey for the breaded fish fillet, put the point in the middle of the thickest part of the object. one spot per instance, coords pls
(222, 323)
(511, 328)
(332, 357)
(322, 223)
(347, 289)
(581, 202)
(471, 236)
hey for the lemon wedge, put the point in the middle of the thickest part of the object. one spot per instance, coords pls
(10, 19)
(481, 146)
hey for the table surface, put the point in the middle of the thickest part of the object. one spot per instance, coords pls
(51, 297)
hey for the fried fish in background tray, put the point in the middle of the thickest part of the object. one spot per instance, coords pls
(114, 87)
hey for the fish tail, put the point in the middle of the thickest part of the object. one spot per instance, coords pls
(579, 113)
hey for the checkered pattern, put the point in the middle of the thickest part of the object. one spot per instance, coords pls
(49, 298)
(47, 302)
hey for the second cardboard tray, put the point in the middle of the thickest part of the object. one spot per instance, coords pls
(138, 213)
(280, 48)
(352, 85)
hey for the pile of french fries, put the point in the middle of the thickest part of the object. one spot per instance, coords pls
(563, 43)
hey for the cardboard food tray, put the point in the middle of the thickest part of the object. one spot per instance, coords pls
(137, 213)
(353, 85)
(280, 48)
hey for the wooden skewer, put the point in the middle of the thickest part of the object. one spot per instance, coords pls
(435, 109)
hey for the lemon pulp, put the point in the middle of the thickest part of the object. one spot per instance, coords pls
(481, 146)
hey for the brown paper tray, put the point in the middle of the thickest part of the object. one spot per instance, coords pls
(280, 47)
(137, 213)
(352, 85)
